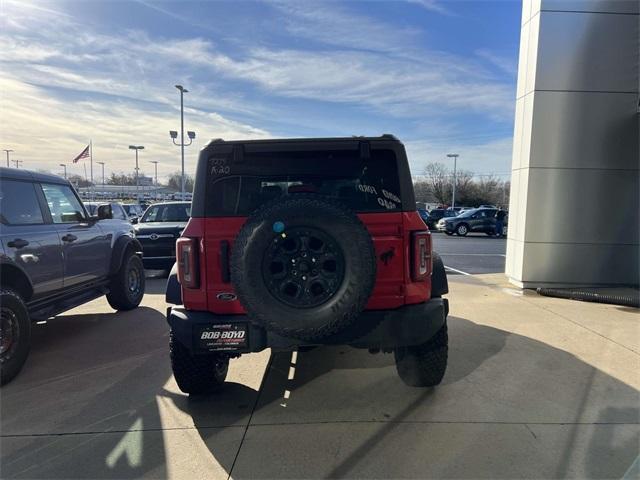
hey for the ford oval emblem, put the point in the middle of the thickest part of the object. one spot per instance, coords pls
(226, 297)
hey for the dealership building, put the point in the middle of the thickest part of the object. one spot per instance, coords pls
(575, 193)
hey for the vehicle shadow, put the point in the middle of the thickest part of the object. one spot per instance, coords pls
(98, 401)
(485, 386)
(85, 404)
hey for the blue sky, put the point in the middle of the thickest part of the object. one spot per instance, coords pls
(440, 75)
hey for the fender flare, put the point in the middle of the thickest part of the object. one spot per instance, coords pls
(439, 283)
(13, 275)
(173, 293)
(120, 248)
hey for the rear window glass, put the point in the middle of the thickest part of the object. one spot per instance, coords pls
(364, 185)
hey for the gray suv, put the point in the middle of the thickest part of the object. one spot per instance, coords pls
(54, 256)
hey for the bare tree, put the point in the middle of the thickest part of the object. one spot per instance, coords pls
(78, 180)
(438, 180)
(175, 182)
(121, 179)
(470, 191)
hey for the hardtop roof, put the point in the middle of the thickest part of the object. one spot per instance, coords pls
(30, 175)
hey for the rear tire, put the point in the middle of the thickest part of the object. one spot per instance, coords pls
(127, 286)
(424, 365)
(15, 335)
(196, 374)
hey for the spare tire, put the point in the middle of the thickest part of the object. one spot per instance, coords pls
(304, 266)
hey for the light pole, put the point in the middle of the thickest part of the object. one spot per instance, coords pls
(17, 162)
(174, 135)
(155, 164)
(102, 163)
(64, 165)
(7, 151)
(136, 148)
(455, 161)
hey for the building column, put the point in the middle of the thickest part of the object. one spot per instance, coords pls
(575, 197)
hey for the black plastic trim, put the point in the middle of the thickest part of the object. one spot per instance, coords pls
(119, 249)
(408, 325)
(173, 293)
(225, 269)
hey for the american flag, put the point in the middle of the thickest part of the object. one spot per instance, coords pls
(84, 154)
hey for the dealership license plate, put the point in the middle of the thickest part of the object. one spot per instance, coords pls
(228, 336)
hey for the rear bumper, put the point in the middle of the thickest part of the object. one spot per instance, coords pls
(408, 325)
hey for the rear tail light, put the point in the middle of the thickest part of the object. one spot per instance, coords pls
(187, 259)
(421, 262)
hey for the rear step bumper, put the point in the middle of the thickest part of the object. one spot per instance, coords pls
(408, 325)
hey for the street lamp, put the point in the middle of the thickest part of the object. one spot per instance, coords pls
(64, 165)
(174, 135)
(155, 163)
(455, 161)
(7, 151)
(17, 162)
(136, 148)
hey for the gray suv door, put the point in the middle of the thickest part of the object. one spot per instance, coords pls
(86, 247)
(29, 240)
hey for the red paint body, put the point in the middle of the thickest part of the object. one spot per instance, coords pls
(390, 232)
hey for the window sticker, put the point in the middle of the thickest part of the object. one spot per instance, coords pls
(390, 196)
(368, 189)
(383, 202)
(219, 167)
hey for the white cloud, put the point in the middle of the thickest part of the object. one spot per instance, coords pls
(45, 131)
(506, 64)
(65, 83)
(432, 5)
(330, 23)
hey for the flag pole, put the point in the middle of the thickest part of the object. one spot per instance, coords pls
(91, 170)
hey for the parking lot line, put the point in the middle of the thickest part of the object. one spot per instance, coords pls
(456, 270)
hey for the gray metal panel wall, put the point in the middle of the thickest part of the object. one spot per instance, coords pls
(575, 173)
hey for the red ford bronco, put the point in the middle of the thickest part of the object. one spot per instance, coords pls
(303, 242)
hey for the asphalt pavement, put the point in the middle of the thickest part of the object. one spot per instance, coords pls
(473, 254)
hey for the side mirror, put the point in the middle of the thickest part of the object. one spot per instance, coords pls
(134, 220)
(104, 212)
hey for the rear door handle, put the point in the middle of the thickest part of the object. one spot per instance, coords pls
(18, 243)
(69, 238)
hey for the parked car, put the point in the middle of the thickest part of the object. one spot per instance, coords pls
(436, 214)
(117, 210)
(55, 256)
(302, 246)
(424, 215)
(134, 211)
(158, 230)
(481, 220)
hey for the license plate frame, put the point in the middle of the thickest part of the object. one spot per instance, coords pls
(223, 337)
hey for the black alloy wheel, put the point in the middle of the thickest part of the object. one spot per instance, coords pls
(303, 267)
(9, 332)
